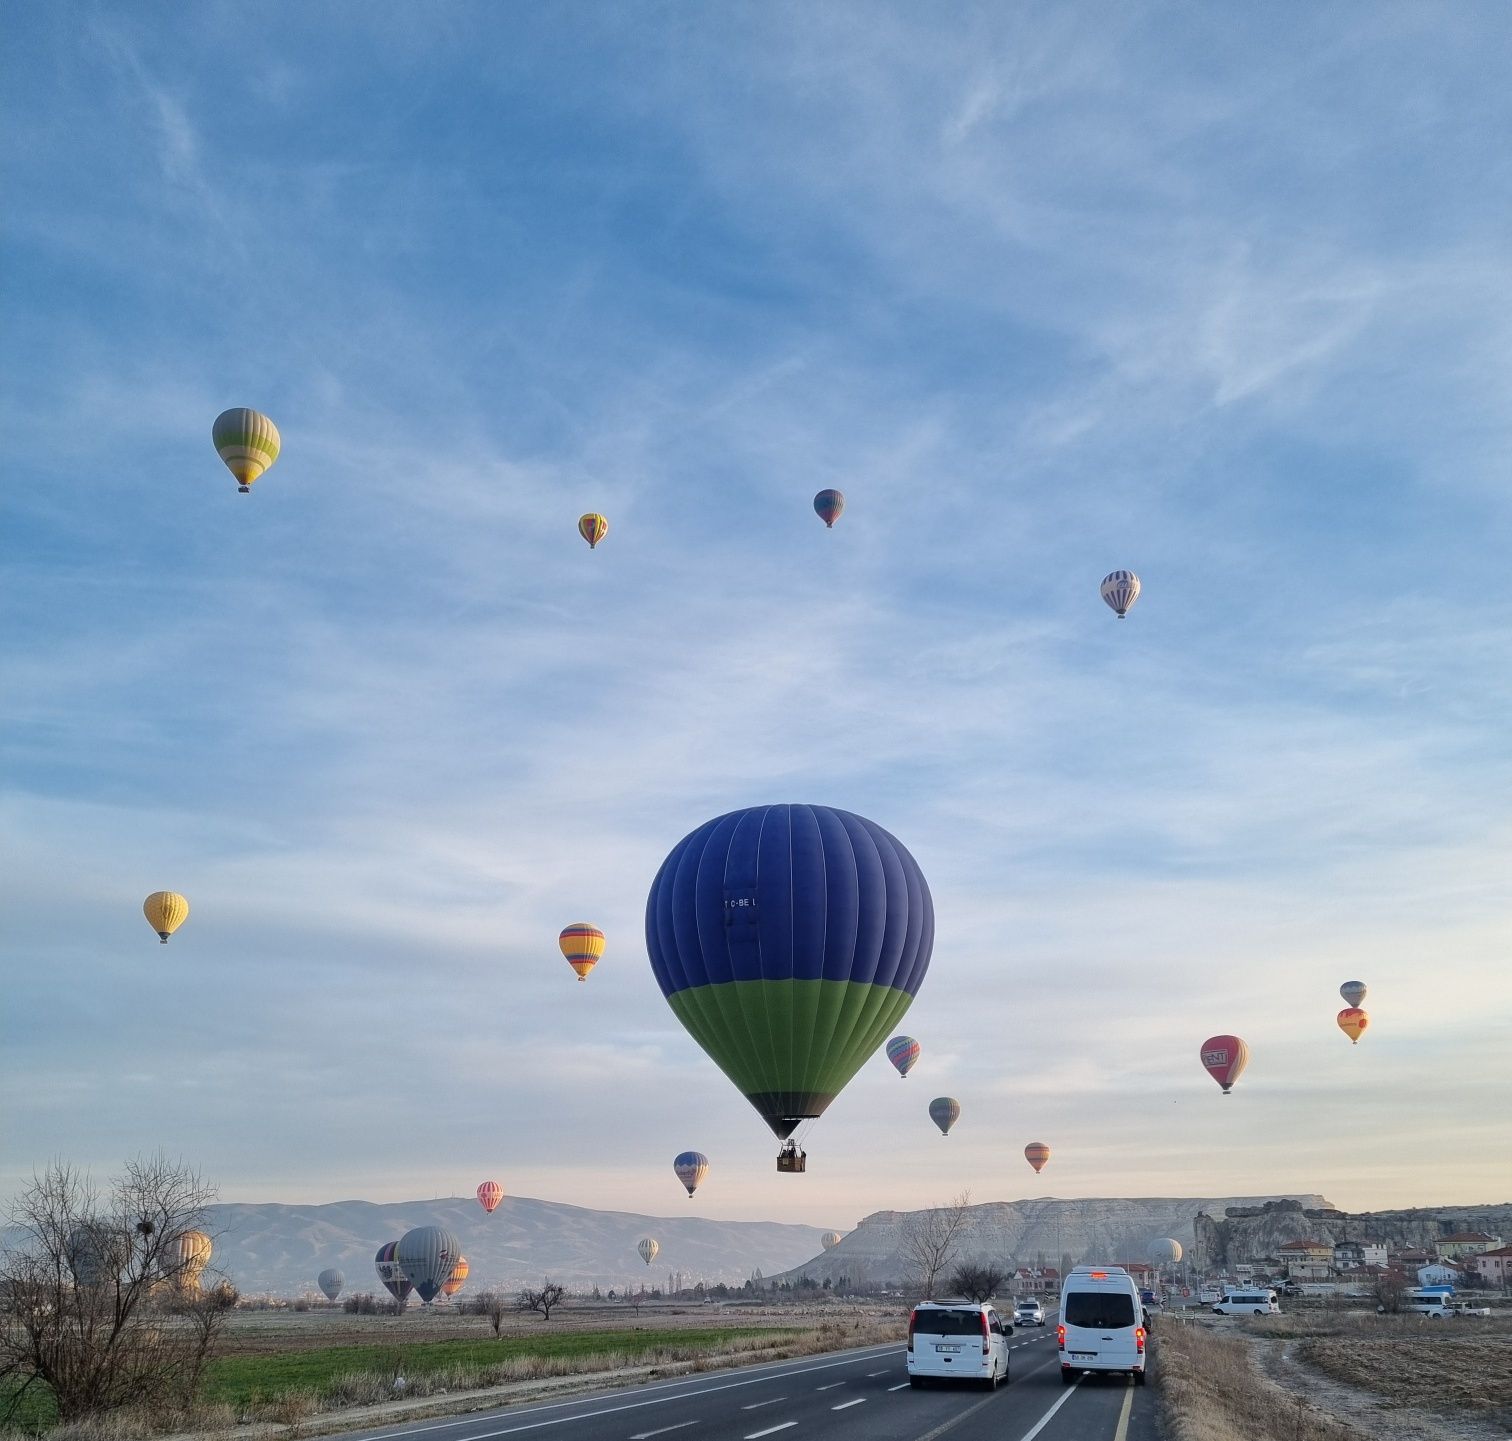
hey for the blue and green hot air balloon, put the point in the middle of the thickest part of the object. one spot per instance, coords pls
(789, 941)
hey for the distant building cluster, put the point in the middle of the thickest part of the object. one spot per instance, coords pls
(1474, 1258)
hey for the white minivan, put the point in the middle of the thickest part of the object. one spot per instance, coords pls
(1261, 1301)
(1101, 1326)
(957, 1341)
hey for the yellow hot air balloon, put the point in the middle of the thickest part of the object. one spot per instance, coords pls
(247, 441)
(593, 528)
(166, 911)
(185, 1258)
(453, 1283)
(1037, 1153)
(1353, 1021)
(582, 944)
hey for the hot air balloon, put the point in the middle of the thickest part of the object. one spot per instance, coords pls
(944, 1111)
(1165, 1252)
(95, 1252)
(582, 944)
(183, 1259)
(1037, 1153)
(395, 1282)
(426, 1256)
(648, 1249)
(247, 441)
(1224, 1058)
(1353, 992)
(330, 1281)
(690, 1168)
(828, 505)
(903, 1051)
(789, 940)
(166, 911)
(829, 1239)
(1353, 1021)
(1121, 590)
(593, 528)
(453, 1283)
(490, 1193)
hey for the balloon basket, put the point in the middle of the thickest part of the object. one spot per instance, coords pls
(792, 1162)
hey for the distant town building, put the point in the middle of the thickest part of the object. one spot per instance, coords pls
(1351, 1255)
(1409, 1258)
(1438, 1275)
(1466, 1243)
(1033, 1280)
(1495, 1267)
(1308, 1260)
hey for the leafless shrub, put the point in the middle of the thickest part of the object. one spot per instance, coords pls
(976, 1280)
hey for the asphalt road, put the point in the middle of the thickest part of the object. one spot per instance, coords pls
(849, 1396)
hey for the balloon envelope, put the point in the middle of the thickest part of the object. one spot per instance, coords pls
(903, 1051)
(1037, 1153)
(490, 1193)
(453, 1283)
(330, 1281)
(827, 506)
(648, 1249)
(426, 1256)
(1165, 1252)
(394, 1281)
(829, 1239)
(166, 911)
(1121, 590)
(789, 940)
(690, 1168)
(247, 441)
(944, 1111)
(1224, 1059)
(1353, 992)
(593, 528)
(184, 1257)
(1353, 1021)
(582, 944)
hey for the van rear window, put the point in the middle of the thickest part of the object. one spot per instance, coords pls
(1093, 1308)
(949, 1323)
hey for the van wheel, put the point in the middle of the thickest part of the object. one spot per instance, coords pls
(917, 1382)
(1259, 1312)
(1068, 1376)
(1139, 1378)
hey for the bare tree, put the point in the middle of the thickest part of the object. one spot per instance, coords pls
(104, 1306)
(1390, 1292)
(491, 1304)
(930, 1239)
(976, 1280)
(544, 1299)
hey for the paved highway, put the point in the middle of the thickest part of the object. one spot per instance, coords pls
(848, 1396)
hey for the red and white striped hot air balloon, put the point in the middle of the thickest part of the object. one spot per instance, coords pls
(490, 1193)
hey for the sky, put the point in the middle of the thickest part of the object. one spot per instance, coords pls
(1217, 294)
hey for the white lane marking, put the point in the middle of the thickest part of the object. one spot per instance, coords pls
(859, 1401)
(955, 1420)
(748, 1379)
(661, 1430)
(757, 1405)
(899, 1388)
(870, 1374)
(1122, 1433)
(769, 1430)
(1044, 1420)
(830, 1387)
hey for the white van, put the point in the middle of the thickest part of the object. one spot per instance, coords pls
(957, 1341)
(1101, 1324)
(1256, 1302)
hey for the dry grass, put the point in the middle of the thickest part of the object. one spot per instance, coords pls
(132, 1424)
(1210, 1390)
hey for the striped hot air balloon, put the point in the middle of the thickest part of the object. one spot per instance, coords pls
(247, 441)
(330, 1282)
(1037, 1153)
(184, 1258)
(1224, 1059)
(829, 1239)
(166, 911)
(1121, 590)
(789, 940)
(1165, 1252)
(582, 944)
(828, 505)
(648, 1249)
(1353, 1021)
(1353, 992)
(426, 1255)
(903, 1051)
(490, 1193)
(690, 1168)
(944, 1111)
(454, 1282)
(392, 1278)
(593, 528)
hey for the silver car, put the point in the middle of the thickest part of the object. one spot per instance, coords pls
(1029, 1313)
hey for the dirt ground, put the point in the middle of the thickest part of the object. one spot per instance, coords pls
(262, 1332)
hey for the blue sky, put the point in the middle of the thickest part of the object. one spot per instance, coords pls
(1047, 290)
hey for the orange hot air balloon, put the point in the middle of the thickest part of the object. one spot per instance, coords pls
(453, 1283)
(1353, 1022)
(582, 944)
(490, 1193)
(593, 528)
(1037, 1153)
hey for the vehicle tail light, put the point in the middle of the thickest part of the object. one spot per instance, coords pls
(1139, 1335)
(986, 1334)
(1060, 1337)
(913, 1317)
